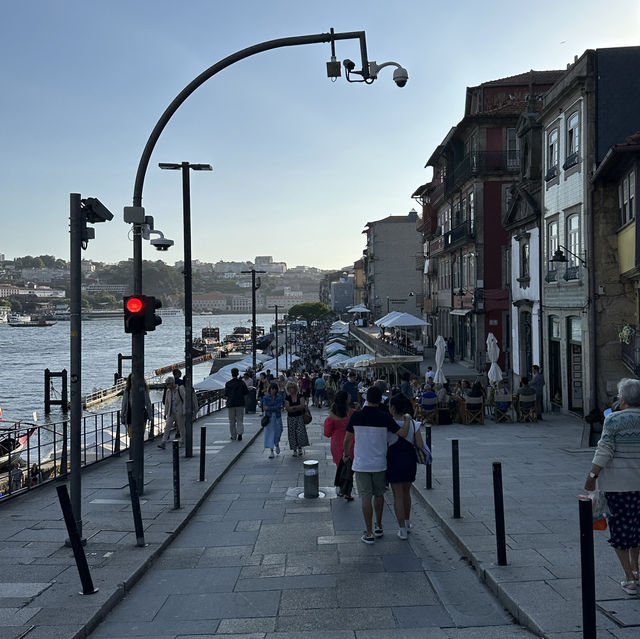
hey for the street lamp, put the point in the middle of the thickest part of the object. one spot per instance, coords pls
(560, 257)
(277, 354)
(254, 288)
(135, 214)
(188, 290)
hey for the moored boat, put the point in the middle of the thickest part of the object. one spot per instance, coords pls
(31, 323)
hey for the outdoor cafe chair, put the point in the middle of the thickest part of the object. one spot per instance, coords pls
(473, 410)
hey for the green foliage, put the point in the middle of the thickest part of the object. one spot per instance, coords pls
(309, 311)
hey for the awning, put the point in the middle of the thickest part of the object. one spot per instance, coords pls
(460, 311)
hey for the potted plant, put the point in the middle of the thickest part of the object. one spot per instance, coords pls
(626, 334)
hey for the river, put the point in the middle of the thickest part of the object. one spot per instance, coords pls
(26, 352)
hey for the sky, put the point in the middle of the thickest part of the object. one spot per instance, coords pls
(300, 163)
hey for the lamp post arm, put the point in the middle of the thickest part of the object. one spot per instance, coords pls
(574, 255)
(223, 64)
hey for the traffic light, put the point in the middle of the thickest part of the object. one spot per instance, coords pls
(151, 320)
(134, 313)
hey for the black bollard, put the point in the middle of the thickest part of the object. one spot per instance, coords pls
(75, 541)
(587, 569)
(203, 450)
(176, 474)
(135, 505)
(311, 479)
(427, 439)
(498, 503)
(455, 467)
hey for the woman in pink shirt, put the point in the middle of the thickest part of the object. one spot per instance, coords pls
(335, 427)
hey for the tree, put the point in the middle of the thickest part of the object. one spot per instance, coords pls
(309, 311)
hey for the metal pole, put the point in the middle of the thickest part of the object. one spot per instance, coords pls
(286, 345)
(75, 332)
(176, 474)
(75, 541)
(188, 312)
(427, 437)
(47, 391)
(135, 506)
(253, 318)
(498, 502)
(203, 450)
(455, 467)
(277, 354)
(587, 569)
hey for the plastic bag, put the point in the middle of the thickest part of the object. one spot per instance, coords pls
(599, 509)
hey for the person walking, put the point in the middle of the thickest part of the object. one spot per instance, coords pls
(615, 469)
(272, 404)
(173, 411)
(295, 406)
(402, 463)
(537, 383)
(234, 391)
(335, 427)
(125, 406)
(369, 427)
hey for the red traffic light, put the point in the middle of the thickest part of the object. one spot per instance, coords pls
(134, 304)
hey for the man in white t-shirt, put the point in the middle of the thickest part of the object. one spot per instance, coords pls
(429, 375)
(370, 427)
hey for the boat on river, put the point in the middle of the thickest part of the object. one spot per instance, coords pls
(13, 440)
(31, 323)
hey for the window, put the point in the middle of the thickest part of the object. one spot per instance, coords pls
(627, 198)
(513, 157)
(471, 212)
(524, 259)
(444, 219)
(573, 135)
(552, 154)
(573, 239)
(552, 247)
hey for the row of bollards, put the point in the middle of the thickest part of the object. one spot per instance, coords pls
(586, 532)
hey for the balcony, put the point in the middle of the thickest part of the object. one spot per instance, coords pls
(436, 246)
(458, 235)
(481, 162)
(551, 276)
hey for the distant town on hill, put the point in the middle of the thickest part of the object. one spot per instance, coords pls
(41, 284)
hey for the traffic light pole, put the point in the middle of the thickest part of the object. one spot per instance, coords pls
(136, 453)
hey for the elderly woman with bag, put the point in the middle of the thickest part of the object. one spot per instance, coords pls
(616, 469)
(272, 404)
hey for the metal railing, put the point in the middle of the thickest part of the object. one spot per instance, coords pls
(32, 455)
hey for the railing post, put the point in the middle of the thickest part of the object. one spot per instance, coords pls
(176, 474)
(455, 467)
(427, 438)
(47, 391)
(203, 450)
(587, 569)
(498, 502)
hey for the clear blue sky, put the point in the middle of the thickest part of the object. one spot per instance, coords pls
(300, 163)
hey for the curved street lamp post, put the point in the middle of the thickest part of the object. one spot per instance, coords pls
(135, 214)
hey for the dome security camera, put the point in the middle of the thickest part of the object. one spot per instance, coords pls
(400, 76)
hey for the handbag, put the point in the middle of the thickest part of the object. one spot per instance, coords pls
(307, 416)
(265, 421)
(423, 455)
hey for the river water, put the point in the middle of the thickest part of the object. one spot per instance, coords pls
(26, 352)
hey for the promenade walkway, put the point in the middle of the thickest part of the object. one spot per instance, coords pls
(253, 560)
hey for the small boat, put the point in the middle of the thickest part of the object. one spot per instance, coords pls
(40, 322)
(12, 443)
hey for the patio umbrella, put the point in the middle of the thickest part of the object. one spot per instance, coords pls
(493, 352)
(360, 308)
(441, 349)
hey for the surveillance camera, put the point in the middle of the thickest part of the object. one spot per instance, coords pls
(400, 76)
(349, 65)
(162, 243)
(96, 211)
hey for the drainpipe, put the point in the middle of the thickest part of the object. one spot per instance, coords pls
(592, 301)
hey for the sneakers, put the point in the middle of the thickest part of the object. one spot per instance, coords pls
(377, 531)
(271, 456)
(368, 539)
(239, 438)
(162, 445)
(277, 449)
(630, 586)
(402, 534)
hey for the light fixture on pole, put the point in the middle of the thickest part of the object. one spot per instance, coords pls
(255, 285)
(277, 354)
(135, 214)
(560, 257)
(185, 167)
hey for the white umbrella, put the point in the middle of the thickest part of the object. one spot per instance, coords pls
(441, 349)
(405, 320)
(383, 320)
(493, 352)
(213, 382)
(360, 308)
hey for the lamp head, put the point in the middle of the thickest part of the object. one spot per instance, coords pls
(559, 257)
